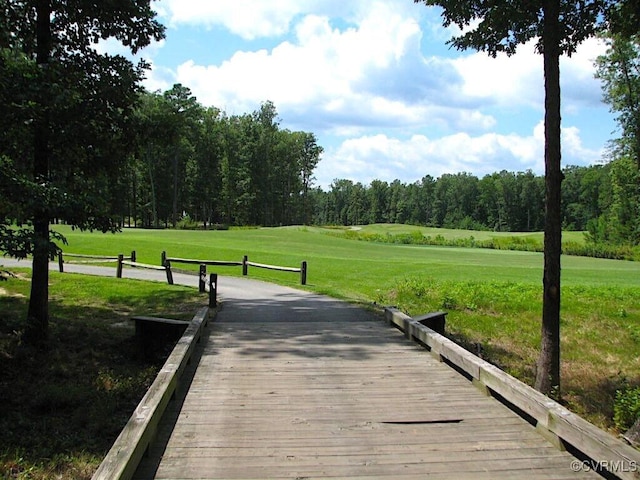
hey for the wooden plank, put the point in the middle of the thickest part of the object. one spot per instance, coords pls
(343, 400)
(142, 265)
(192, 468)
(172, 321)
(274, 267)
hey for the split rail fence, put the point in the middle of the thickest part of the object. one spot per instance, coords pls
(245, 264)
(166, 262)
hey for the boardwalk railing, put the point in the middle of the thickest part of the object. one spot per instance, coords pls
(123, 458)
(245, 264)
(562, 427)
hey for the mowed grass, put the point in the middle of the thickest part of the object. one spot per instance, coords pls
(493, 297)
(454, 234)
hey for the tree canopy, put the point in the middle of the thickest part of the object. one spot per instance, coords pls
(67, 110)
(619, 71)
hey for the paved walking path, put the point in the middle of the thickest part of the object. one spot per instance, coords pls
(293, 385)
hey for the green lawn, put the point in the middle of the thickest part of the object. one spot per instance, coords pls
(493, 296)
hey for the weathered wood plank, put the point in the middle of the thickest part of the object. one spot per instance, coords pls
(343, 400)
(192, 468)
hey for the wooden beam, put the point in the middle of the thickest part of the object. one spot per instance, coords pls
(123, 458)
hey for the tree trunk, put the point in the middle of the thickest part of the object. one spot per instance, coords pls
(174, 216)
(37, 328)
(36, 332)
(548, 368)
(154, 203)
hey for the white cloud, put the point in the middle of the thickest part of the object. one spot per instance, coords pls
(248, 19)
(505, 81)
(371, 157)
(373, 72)
(518, 81)
(385, 101)
(324, 69)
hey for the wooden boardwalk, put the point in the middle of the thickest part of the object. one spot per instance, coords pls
(299, 397)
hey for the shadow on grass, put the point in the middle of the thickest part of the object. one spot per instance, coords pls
(594, 398)
(68, 403)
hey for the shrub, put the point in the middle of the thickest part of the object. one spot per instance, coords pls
(626, 409)
(187, 223)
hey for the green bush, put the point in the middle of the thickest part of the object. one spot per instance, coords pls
(626, 409)
(187, 223)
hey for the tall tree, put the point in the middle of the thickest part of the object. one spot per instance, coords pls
(559, 27)
(619, 71)
(309, 158)
(74, 104)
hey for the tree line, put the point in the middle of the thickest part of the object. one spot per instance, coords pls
(197, 165)
(599, 199)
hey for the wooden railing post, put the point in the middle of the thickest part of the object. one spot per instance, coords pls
(119, 267)
(303, 273)
(213, 290)
(133, 255)
(202, 278)
(245, 265)
(60, 262)
(167, 267)
(163, 258)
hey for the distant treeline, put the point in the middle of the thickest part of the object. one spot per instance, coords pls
(601, 199)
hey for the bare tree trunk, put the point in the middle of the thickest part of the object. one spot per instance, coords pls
(37, 328)
(548, 368)
(154, 203)
(174, 216)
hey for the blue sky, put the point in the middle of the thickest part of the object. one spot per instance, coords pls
(377, 85)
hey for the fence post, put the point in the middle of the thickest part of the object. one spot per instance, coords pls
(213, 290)
(202, 278)
(60, 262)
(119, 267)
(163, 258)
(133, 255)
(245, 266)
(167, 267)
(303, 273)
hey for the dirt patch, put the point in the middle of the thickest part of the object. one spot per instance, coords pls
(5, 293)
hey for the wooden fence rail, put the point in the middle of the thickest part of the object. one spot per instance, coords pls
(62, 259)
(120, 260)
(245, 264)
